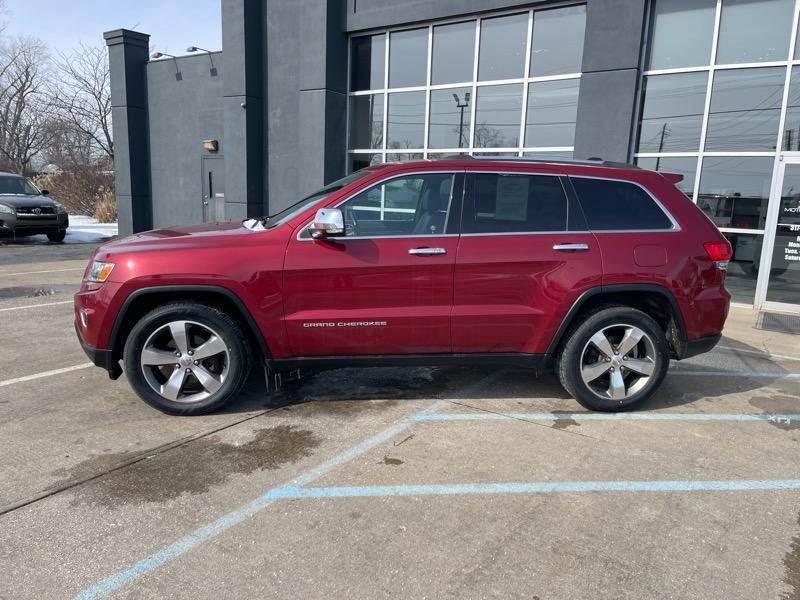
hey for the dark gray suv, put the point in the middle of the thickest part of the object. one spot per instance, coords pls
(25, 210)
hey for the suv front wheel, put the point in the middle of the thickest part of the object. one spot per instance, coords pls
(186, 358)
(615, 359)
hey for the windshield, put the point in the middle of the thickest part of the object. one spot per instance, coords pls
(289, 213)
(18, 186)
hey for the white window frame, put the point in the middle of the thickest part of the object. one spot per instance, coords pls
(768, 233)
(519, 150)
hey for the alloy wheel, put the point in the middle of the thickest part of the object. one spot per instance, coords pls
(185, 361)
(618, 362)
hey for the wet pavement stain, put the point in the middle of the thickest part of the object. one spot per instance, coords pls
(351, 391)
(791, 563)
(779, 404)
(391, 461)
(193, 468)
(563, 423)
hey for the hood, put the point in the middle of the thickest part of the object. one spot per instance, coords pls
(21, 201)
(192, 236)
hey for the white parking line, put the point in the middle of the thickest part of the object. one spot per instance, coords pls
(35, 305)
(39, 272)
(45, 374)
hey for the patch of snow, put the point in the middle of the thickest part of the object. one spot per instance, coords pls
(84, 230)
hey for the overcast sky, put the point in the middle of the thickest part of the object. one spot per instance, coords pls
(172, 24)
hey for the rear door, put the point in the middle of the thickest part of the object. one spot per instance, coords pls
(387, 286)
(523, 258)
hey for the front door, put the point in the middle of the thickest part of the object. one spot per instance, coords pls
(783, 236)
(386, 287)
(213, 189)
(524, 257)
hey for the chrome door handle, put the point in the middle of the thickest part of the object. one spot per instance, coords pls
(427, 251)
(570, 247)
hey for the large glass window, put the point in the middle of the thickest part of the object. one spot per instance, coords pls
(552, 110)
(745, 109)
(453, 53)
(367, 62)
(557, 45)
(443, 95)
(408, 56)
(497, 116)
(734, 190)
(682, 165)
(366, 121)
(682, 32)
(672, 114)
(405, 126)
(502, 53)
(714, 114)
(754, 30)
(450, 118)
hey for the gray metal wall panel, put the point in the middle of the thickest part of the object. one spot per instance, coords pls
(183, 113)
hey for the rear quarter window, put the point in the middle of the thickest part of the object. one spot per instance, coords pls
(618, 205)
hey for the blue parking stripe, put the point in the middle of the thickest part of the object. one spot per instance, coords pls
(183, 545)
(543, 487)
(549, 416)
(202, 534)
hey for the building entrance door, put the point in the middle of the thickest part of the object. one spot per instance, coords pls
(783, 237)
(213, 188)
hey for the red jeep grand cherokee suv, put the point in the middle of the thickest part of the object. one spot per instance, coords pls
(605, 270)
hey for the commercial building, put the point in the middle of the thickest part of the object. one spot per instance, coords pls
(305, 91)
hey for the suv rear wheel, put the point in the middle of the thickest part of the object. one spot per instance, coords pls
(186, 358)
(614, 359)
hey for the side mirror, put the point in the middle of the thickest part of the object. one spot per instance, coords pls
(329, 222)
(45, 192)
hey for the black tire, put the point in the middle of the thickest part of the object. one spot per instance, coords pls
(57, 235)
(569, 360)
(238, 358)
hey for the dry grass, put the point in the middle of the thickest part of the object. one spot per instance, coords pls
(105, 211)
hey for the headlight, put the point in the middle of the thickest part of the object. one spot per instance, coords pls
(6, 209)
(60, 210)
(100, 271)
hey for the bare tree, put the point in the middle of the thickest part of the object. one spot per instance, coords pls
(83, 99)
(25, 107)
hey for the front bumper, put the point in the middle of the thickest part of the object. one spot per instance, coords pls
(101, 358)
(32, 224)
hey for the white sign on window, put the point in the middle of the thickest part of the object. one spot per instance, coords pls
(511, 203)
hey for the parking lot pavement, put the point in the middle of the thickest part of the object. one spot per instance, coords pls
(426, 482)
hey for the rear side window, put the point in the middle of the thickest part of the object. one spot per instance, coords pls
(510, 203)
(618, 205)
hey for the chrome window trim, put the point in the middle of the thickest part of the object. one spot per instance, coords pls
(675, 225)
(380, 182)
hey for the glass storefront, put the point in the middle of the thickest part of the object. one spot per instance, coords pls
(502, 84)
(722, 115)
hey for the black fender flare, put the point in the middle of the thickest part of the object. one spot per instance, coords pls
(212, 289)
(650, 288)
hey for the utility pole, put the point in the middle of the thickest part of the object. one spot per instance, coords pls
(461, 106)
(661, 144)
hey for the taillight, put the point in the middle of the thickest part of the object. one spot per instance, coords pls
(720, 253)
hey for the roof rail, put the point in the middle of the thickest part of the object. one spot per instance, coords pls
(594, 160)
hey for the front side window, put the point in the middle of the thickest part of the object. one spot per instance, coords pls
(410, 205)
(511, 203)
(618, 206)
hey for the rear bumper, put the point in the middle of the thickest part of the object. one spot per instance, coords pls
(101, 358)
(700, 345)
